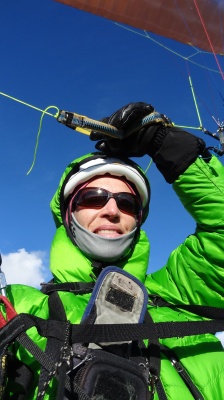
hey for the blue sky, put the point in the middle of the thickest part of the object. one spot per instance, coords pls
(56, 55)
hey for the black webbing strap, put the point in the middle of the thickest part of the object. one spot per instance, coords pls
(49, 364)
(124, 332)
(57, 312)
(203, 311)
(11, 331)
(43, 359)
(16, 330)
(52, 362)
(154, 357)
(106, 332)
(73, 287)
(181, 371)
(54, 346)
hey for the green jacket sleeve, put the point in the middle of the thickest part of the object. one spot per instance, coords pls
(194, 272)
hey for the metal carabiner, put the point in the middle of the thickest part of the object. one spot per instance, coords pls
(3, 283)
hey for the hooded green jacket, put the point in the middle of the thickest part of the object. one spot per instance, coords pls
(193, 275)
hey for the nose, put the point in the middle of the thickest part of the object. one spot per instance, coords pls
(111, 209)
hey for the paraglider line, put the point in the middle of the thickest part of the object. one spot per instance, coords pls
(38, 135)
(194, 97)
(29, 105)
(184, 21)
(147, 36)
(221, 96)
(221, 30)
(207, 35)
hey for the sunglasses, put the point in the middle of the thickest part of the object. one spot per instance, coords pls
(95, 197)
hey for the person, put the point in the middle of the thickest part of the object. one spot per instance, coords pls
(100, 252)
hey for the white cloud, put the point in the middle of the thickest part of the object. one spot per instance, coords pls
(24, 267)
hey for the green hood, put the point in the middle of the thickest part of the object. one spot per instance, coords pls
(67, 262)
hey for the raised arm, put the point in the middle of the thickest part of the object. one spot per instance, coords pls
(194, 272)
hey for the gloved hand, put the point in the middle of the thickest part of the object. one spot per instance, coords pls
(172, 149)
(131, 145)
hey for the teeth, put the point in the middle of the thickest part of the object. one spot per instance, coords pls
(106, 230)
(108, 233)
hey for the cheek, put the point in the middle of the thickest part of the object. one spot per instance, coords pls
(84, 216)
(130, 222)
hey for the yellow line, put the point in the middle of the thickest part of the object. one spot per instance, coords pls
(29, 105)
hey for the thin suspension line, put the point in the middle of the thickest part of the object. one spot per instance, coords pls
(209, 40)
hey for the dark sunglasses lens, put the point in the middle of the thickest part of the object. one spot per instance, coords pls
(128, 203)
(91, 198)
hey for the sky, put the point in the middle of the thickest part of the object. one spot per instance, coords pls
(54, 55)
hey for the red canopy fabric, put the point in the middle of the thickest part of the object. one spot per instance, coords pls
(196, 22)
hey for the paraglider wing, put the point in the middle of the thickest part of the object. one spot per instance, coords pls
(195, 22)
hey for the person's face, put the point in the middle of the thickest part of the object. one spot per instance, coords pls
(107, 221)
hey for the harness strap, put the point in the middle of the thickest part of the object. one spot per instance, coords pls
(49, 364)
(53, 347)
(107, 332)
(182, 372)
(50, 361)
(154, 357)
(38, 354)
(124, 332)
(203, 311)
(73, 287)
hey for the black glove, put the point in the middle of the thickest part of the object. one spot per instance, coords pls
(129, 116)
(172, 149)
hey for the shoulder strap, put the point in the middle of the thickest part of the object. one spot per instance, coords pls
(74, 287)
(53, 347)
(203, 311)
(154, 357)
